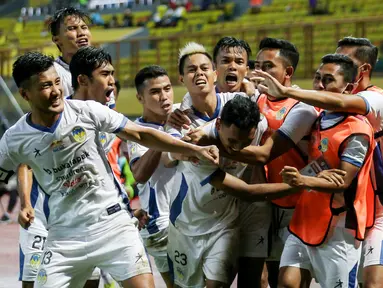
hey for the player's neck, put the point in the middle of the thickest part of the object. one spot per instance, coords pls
(363, 85)
(151, 117)
(67, 57)
(80, 94)
(205, 104)
(44, 119)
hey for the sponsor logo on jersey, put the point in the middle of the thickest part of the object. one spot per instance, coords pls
(281, 113)
(35, 260)
(42, 276)
(323, 146)
(78, 134)
(57, 145)
(102, 138)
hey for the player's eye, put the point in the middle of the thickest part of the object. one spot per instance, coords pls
(85, 27)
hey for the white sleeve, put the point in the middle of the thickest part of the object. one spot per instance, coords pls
(374, 104)
(210, 129)
(261, 128)
(186, 102)
(106, 120)
(226, 97)
(7, 164)
(204, 172)
(355, 150)
(298, 122)
(135, 151)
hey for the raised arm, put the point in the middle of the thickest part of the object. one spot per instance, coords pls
(250, 192)
(322, 99)
(161, 141)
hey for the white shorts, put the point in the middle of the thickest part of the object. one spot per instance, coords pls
(194, 258)
(333, 264)
(31, 244)
(373, 245)
(69, 262)
(156, 245)
(282, 218)
(254, 221)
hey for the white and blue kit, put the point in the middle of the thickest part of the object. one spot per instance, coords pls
(88, 222)
(154, 198)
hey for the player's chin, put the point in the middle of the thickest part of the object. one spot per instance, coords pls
(57, 108)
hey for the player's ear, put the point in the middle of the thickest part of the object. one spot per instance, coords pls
(181, 79)
(366, 68)
(349, 88)
(289, 71)
(23, 94)
(82, 80)
(55, 39)
(140, 98)
(215, 75)
(218, 124)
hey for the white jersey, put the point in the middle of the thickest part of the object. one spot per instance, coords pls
(63, 71)
(374, 105)
(40, 202)
(70, 165)
(154, 195)
(198, 118)
(198, 208)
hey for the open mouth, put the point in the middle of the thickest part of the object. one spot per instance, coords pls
(108, 95)
(231, 79)
(200, 82)
(82, 42)
(166, 106)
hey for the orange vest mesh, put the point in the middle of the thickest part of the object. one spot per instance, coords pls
(314, 211)
(275, 113)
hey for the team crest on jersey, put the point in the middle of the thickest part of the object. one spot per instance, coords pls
(281, 113)
(102, 138)
(57, 145)
(78, 134)
(180, 274)
(42, 276)
(35, 260)
(323, 146)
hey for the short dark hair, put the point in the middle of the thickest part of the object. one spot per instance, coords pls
(349, 68)
(366, 52)
(251, 64)
(60, 15)
(118, 85)
(286, 48)
(148, 72)
(242, 112)
(231, 42)
(28, 65)
(85, 61)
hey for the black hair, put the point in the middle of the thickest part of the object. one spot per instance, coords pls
(365, 52)
(242, 112)
(60, 15)
(251, 64)
(231, 42)
(28, 65)
(85, 61)
(349, 68)
(148, 72)
(118, 85)
(286, 48)
(183, 58)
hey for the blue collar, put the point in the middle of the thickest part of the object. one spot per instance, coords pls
(216, 112)
(51, 129)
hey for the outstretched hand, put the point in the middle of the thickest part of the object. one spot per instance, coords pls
(179, 119)
(335, 176)
(208, 153)
(268, 84)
